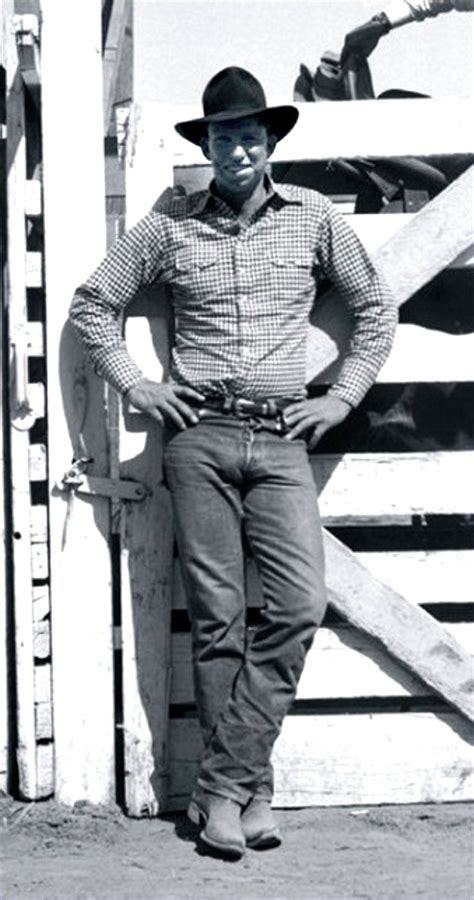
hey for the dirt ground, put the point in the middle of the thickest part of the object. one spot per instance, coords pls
(423, 851)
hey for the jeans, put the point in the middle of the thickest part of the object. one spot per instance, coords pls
(229, 477)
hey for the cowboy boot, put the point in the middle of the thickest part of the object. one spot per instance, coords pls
(220, 818)
(258, 825)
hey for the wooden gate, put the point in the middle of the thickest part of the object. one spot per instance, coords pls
(98, 637)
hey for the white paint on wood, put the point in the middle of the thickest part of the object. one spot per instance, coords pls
(39, 523)
(390, 484)
(74, 211)
(355, 128)
(424, 354)
(406, 631)
(436, 576)
(35, 338)
(41, 603)
(45, 766)
(38, 462)
(34, 269)
(33, 198)
(353, 759)
(342, 663)
(39, 561)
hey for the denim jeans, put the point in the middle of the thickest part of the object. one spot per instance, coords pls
(229, 477)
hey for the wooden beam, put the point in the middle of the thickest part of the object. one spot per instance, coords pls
(411, 258)
(407, 632)
(81, 595)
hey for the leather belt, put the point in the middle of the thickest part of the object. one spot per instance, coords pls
(243, 408)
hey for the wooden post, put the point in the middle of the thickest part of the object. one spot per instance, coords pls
(147, 528)
(74, 210)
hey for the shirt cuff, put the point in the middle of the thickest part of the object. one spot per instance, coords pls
(118, 369)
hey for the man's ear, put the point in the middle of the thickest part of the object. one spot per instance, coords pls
(272, 141)
(204, 145)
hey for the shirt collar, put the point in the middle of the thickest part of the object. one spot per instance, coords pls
(277, 194)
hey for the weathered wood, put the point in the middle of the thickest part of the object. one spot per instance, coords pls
(361, 485)
(38, 462)
(147, 547)
(343, 760)
(444, 226)
(407, 632)
(45, 763)
(436, 576)
(375, 230)
(433, 576)
(19, 439)
(81, 597)
(342, 663)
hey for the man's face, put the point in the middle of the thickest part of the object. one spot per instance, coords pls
(239, 152)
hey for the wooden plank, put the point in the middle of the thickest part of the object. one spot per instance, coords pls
(432, 576)
(437, 576)
(147, 561)
(19, 439)
(426, 355)
(342, 663)
(405, 484)
(406, 266)
(345, 760)
(374, 230)
(83, 686)
(370, 129)
(45, 763)
(406, 631)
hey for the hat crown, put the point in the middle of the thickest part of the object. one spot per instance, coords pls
(233, 89)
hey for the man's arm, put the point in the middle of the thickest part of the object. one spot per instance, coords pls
(371, 305)
(96, 313)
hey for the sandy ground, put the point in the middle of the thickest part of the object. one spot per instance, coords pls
(422, 851)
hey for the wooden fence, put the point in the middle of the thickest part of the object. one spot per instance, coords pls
(101, 703)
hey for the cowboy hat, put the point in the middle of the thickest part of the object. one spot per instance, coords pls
(235, 94)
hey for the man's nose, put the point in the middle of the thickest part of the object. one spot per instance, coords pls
(238, 151)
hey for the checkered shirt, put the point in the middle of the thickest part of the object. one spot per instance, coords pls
(241, 294)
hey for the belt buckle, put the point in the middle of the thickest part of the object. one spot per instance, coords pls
(242, 407)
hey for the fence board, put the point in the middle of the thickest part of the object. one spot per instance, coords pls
(406, 631)
(146, 567)
(437, 576)
(370, 129)
(81, 599)
(433, 576)
(407, 484)
(345, 760)
(342, 663)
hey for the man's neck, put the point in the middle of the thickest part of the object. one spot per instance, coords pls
(244, 206)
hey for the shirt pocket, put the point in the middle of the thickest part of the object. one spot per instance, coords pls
(195, 275)
(293, 272)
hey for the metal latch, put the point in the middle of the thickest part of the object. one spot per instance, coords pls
(75, 479)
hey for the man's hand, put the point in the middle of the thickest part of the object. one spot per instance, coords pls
(164, 401)
(318, 415)
(363, 40)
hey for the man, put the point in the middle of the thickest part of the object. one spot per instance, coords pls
(243, 260)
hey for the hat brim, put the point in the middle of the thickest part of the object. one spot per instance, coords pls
(281, 119)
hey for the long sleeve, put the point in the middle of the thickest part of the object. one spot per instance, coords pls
(369, 301)
(98, 304)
